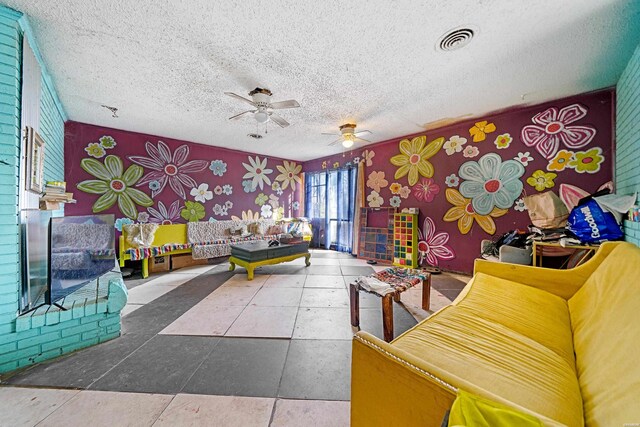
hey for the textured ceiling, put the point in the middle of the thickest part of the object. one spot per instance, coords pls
(165, 64)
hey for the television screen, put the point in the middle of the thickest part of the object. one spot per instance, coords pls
(82, 248)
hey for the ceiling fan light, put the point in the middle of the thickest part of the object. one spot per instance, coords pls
(261, 117)
(347, 143)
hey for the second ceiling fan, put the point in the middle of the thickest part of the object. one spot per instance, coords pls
(262, 112)
(349, 136)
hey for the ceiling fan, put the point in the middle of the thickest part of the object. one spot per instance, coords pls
(348, 135)
(262, 112)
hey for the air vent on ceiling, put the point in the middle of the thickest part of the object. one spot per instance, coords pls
(455, 39)
(254, 135)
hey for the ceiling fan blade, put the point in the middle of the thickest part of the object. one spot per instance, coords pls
(292, 103)
(361, 140)
(237, 116)
(362, 132)
(332, 134)
(335, 142)
(233, 95)
(279, 120)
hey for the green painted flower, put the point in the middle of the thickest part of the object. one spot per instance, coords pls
(261, 199)
(193, 211)
(107, 142)
(114, 185)
(95, 150)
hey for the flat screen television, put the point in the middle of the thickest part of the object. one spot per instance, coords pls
(81, 249)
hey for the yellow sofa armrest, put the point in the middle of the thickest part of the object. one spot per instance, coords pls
(389, 388)
(563, 283)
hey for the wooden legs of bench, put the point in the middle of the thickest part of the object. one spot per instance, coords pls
(387, 315)
(355, 304)
(426, 293)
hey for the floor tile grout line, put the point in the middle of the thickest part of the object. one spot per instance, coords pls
(201, 363)
(164, 409)
(58, 408)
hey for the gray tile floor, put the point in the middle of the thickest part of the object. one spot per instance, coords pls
(312, 363)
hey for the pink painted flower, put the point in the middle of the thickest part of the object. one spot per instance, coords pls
(404, 192)
(470, 151)
(551, 128)
(426, 190)
(433, 246)
(165, 216)
(377, 181)
(169, 168)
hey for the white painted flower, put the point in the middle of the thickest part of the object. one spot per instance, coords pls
(375, 200)
(143, 217)
(524, 158)
(227, 189)
(454, 144)
(202, 193)
(296, 205)
(257, 171)
(228, 204)
(519, 205)
(452, 180)
(265, 211)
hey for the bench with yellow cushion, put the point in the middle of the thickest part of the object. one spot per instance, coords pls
(560, 345)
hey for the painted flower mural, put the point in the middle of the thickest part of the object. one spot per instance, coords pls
(524, 158)
(295, 205)
(376, 181)
(480, 130)
(95, 150)
(261, 199)
(107, 142)
(432, 246)
(192, 212)
(414, 158)
(218, 167)
(404, 192)
(395, 201)
(454, 144)
(503, 141)
(426, 190)
(375, 200)
(519, 205)
(395, 188)
(257, 172)
(491, 182)
(114, 185)
(202, 193)
(470, 151)
(587, 161)
(220, 210)
(289, 174)
(463, 212)
(247, 215)
(217, 190)
(560, 161)
(247, 186)
(452, 180)
(121, 222)
(551, 127)
(367, 157)
(143, 217)
(542, 180)
(227, 189)
(266, 211)
(168, 168)
(165, 216)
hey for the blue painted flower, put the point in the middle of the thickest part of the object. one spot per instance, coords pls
(227, 189)
(395, 201)
(154, 185)
(218, 167)
(248, 186)
(212, 219)
(296, 205)
(452, 180)
(491, 183)
(120, 222)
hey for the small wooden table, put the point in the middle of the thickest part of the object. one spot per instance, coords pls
(577, 254)
(399, 280)
(258, 253)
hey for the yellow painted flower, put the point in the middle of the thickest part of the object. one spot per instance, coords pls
(414, 158)
(336, 165)
(289, 174)
(462, 211)
(95, 150)
(480, 130)
(503, 141)
(587, 161)
(395, 188)
(560, 161)
(542, 180)
(247, 215)
(324, 164)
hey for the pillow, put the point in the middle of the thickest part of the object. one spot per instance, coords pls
(257, 228)
(275, 230)
(238, 230)
(140, 235)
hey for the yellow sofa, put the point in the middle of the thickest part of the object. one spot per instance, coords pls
(561, 345)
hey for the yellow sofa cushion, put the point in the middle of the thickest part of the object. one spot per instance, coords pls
(604, 315)
(532, 312)
(491, 360)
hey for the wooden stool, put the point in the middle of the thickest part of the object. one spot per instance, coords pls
(387, 303)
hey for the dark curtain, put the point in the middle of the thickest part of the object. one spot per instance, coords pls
(330, 206)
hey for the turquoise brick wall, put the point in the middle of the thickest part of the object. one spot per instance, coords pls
(48, 332)
(627, 170)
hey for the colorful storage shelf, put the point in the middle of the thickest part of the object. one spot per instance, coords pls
(405, 239)
(376, 242)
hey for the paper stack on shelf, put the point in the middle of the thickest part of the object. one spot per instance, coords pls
(54, 194)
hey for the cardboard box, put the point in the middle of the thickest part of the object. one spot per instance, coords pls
(159, 263)
(185, 260)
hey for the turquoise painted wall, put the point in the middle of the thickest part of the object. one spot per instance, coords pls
(46, 332)
(627, 170)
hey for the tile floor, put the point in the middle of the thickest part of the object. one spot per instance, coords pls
(202, 341)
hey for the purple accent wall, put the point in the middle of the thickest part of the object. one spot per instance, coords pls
(571, 138)
(149, 180)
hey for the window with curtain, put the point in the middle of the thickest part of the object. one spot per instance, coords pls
(330, 206)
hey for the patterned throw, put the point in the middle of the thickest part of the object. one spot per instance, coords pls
(391, 280)
(141, 253)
